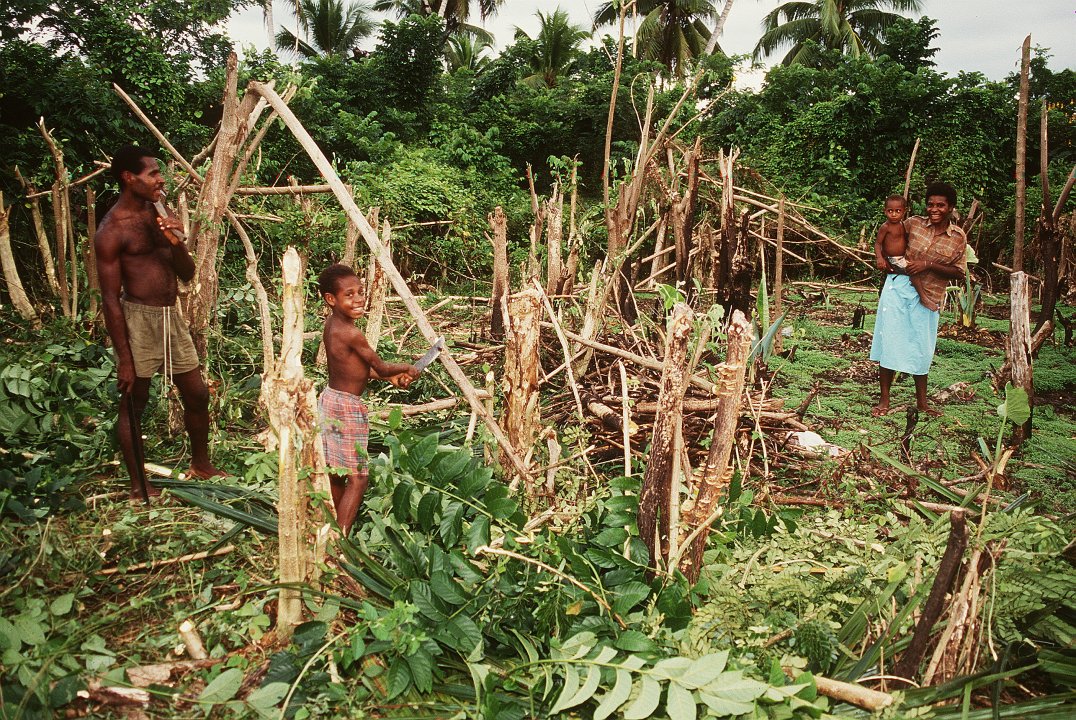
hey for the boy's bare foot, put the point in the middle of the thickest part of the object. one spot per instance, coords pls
(930, 411)
(205, 473)
(880, 409)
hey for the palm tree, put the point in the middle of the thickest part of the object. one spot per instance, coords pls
(853, 27)
(455, 13)
(464, 51)
(672, 32)
(555, 46)
(332, 28)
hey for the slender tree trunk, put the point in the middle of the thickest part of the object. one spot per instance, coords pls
(1021, 157)
(657, 488)
(266, 319)
(42, 237)
(683, 214)
(11, 273)
(292, 408)
(554, 232)
(908, 172)
(779, 269)
(93, 285)
(379, 287)
(61, 217)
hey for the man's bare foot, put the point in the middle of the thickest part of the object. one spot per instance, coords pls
(930, 411)
(205, 473)
(151, 491)
(880, 409)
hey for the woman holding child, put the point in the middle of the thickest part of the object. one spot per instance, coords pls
(906, 328)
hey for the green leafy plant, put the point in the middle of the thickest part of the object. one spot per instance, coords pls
(966, 298)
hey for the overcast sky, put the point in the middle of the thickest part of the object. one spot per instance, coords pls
(980, 35)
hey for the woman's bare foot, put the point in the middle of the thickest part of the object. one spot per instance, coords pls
(927, 410)
(880, 409)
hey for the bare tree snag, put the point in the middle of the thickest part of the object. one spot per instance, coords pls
(522, 415)
(908, 666)
(498, 224)
(564, 347)
(378, 250)
(656, 493)
(1021, 157)
(42, 237)
(291, 405)
(554, 233)
(378, 289)
(717, 473)
(1020, 345)
(683, 213)
(11, 273)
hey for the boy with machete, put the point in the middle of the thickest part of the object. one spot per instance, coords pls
(345, 425)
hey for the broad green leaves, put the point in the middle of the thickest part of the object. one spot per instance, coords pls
(637, 690)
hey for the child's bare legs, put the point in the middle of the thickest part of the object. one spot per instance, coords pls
(921, 397)
(885, 380)
(348, 497)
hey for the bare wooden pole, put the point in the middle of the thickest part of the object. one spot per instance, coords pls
(378, 289)
(11, 273)
(1021, 157)
(1020, 345)
(39, 231)
(90, 260)
(394, 276)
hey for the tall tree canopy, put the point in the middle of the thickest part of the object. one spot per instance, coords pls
(556, 43)
(672, 32)
(852, 27)
(455, 13)
(332, 28)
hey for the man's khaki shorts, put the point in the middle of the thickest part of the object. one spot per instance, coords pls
(146, 334)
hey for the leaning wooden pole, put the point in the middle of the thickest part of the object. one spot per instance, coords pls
(1021, 157)
(779, 270)
(908, 172)
(1020, 345)
(394, 276)
(292, 408)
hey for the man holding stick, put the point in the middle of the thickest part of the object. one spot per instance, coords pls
(140, 255)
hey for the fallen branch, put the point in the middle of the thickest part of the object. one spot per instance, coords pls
(155, 564)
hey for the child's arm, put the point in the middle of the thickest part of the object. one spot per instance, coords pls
(399, 374)
(879, 256)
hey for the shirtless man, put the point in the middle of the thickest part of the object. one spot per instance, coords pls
(139, 257)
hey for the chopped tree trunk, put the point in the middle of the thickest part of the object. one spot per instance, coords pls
(11, 273)
(291, 405)
(658, 483)
(554, 234)
(522, 416)
(498, 224)
(683, 214)
(1021, 157)
(908, 666)
(378, 250)
(378, 290)
(1020, 346)
(717, 473)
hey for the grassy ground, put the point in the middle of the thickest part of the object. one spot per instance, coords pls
(829, 352)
